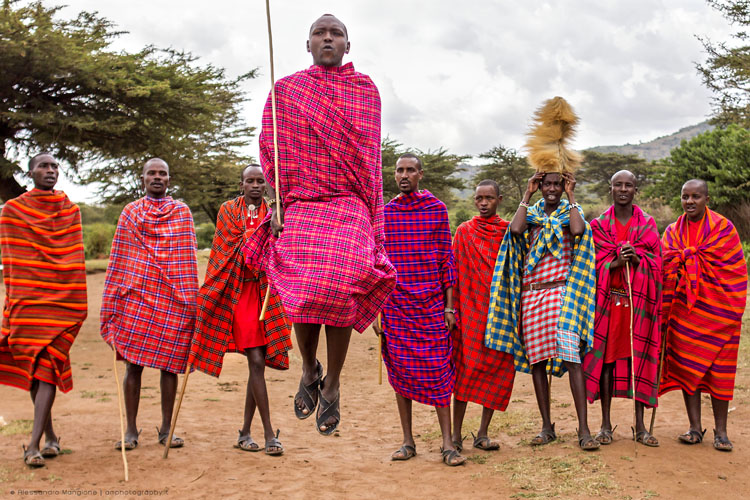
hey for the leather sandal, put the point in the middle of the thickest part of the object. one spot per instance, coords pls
(406, 452)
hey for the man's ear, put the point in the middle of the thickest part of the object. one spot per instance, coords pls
(308, 46)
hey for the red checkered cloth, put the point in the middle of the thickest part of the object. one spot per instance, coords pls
(148, 305)
(45, 288)
(483, 375)
(417, 346)
(646, 285)
(540, 309)
(328, 266)
(220, 294)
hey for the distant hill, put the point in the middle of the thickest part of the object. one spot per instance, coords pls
(658, 148)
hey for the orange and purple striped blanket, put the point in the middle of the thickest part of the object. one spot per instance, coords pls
(705, 289)
(45, 288)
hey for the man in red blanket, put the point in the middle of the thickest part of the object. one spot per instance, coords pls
(229, 304)
(624, 236)
(148, 305)
(419, 315)
(483, 375)
(45, 297)
(328, 265)
(705, 289)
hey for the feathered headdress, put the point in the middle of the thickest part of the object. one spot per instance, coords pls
(554, 126)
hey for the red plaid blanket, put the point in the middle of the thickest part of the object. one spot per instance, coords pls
(483, 375)
(328, 266)
(45, 288)
(220, 293)
(148, 305)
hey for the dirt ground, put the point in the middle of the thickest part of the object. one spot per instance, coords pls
(355, 463)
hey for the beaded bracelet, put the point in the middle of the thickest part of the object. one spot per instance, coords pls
(524, 204)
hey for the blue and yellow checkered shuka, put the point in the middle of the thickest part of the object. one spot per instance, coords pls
(578, 301)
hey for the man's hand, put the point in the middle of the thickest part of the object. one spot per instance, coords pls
(534, 182)
(277, 228)
(570, 185)
(377, 327)
(627, 254)
(450, 320)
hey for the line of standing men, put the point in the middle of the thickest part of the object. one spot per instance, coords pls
(329, 263)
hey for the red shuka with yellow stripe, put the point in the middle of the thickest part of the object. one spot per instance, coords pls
(45, 288)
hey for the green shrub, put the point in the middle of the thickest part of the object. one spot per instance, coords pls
(746, 251)
(97, 239)
(204, 233)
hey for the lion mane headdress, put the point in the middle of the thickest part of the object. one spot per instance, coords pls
(547, 144)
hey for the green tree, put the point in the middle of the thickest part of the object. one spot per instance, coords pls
(510, 170)
(721, 157)
(597, 170)
(440, 167)
(63, 88)
(726, 72)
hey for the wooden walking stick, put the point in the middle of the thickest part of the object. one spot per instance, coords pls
(122, 419)
(380, 351)
(275, 146)
(168, 442)
(658, 379)
(632, 354)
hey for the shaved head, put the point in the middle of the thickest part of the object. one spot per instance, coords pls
(624, 173)
(699, 183)
(250, 167)
(155, 160)
(330, 17)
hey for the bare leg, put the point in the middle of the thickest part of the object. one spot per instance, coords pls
(404, 414)
(249, 401)
(168, 386)
(337, 342)
(639, 409)
(578, 388)
(606, 388)
(49, 433)
(307, 342)
(541, 389)
(693, 406)
(459, 410)
(256, 357)
(444, 419)
(132, 388)
(721, 411)
(44, 396)
(484, 424)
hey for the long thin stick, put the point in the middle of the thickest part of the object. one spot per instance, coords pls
(122, 418)
(380, 352)
(632, 353)
(658, 380)
(275, 146)
(168, 442)
(549, 390)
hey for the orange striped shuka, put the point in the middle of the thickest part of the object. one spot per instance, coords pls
(705, 289)
(45, 288)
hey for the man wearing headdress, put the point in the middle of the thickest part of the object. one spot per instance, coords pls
(45, 297)
(543, 289)
(705, 289)
(626, 240)
(328, 265)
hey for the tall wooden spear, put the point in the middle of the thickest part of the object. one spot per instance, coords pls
(658, 379)
(122, 419)
(275, 147)
(632, 354)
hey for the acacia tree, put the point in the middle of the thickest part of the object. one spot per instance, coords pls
(727, 70)
(597, 170)
(440, 171)
(64, 89)
(721, 157)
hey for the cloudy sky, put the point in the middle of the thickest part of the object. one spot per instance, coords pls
(463, 75)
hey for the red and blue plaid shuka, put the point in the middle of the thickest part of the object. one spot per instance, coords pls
(220, 294)
(148, 306)
(483, 375)
(328, 266)
(417, 346)
(646, 286)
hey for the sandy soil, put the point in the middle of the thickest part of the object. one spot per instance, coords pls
(355, 463)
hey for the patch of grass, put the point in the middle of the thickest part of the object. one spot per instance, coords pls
(52, 478)
(517, 400)
(563, 405)
(103, 400)
(650, 494)
(478, 459)
(16, 427)
(567, 476)
(66, 451)
(211, 399)
(4, 474)
(627, 458)
(229, 386)
(513, 422)
(94, 394)
(96, 266)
